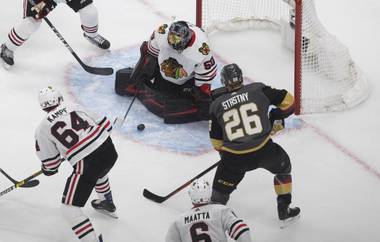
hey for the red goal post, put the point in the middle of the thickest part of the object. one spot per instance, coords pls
(325, 77)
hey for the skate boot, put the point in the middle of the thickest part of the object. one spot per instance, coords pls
(287, 215)
(105, 207)
(100, 238)
(98, 40)
(7, 56)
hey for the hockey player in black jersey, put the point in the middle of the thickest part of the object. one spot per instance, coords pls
(35, 10)
(241, 130)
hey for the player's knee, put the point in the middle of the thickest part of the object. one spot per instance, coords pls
(219, 197)
(70, 212)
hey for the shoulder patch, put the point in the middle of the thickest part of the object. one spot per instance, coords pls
(205, 49)
(162, 29)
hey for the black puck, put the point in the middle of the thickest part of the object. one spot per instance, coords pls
(140, 127)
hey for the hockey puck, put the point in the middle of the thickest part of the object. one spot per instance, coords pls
(140, 127)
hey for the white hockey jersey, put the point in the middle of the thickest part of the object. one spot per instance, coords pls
(69, 133)
(208, 223)
(179, 66)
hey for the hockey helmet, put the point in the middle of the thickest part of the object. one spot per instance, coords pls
(231, 76)
(179, 35)
(200, 192)
(48, 97)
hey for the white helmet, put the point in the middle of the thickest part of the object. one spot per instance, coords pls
(49, 97)
(200, 192)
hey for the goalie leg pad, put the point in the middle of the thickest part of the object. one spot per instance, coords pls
(123, 82)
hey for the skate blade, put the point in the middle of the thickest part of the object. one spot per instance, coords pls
(285, 223)
(109, 214)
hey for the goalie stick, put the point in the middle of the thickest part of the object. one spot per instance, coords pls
(21, 183)
(159, 199)
(31, 183)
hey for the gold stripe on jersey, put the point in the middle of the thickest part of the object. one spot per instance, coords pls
(217, 143)
(282, 189)
(241, 152)
(287, 102)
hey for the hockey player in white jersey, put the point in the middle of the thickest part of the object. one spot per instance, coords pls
(174, 73)
(207, 222)
(84, 141)
(35, 10)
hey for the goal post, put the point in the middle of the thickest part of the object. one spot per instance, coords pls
(325, 76)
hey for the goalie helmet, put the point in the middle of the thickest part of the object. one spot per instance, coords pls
(200, 192)
(231, 76)
(179, 35)
(48, 98)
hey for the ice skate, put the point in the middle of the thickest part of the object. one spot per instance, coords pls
(7, 57)
(98, 40)
(105, 207)
(288, 215)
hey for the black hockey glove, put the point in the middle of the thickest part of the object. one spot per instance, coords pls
(43, 8)
(276, 120)
(48, 172)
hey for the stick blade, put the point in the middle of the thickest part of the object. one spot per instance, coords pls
(151, 196)
(31, 183)
(106, 71)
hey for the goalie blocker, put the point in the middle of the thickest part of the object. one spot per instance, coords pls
(176, 104)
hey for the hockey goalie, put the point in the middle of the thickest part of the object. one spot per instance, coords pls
(173, 75)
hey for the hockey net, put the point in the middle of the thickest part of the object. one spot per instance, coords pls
(325, 76)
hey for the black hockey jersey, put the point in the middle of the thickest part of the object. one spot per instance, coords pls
(239, 121)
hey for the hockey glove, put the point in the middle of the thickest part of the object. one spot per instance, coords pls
(48, 172)
(43, 8)
(276, 120)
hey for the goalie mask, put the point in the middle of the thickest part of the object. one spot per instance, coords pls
(200, 192)
(179, 35)
(231, 77)
(49, 98)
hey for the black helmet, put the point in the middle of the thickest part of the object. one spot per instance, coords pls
(231, 76)
(179, 35)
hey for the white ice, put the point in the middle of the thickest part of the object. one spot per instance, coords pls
(336, 167)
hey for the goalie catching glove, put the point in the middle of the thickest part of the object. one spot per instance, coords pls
(276, 120)
(43, 8)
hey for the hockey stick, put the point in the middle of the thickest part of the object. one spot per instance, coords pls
(31, 183)
(118, 123)
(93, 70)
(159, 199)
(21, 183)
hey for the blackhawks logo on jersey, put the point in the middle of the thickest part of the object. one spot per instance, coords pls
(204, 49)
(162, 28)
(173, 69)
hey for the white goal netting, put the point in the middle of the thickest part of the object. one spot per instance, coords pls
(329, 78)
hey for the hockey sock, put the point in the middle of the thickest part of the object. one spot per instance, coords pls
(283, 187)
(89, 19)
(103, 188)
(20, 33)
(79, 223)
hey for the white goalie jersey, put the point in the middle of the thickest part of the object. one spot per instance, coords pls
(209, 223)
(69, 133)
(196, 60)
